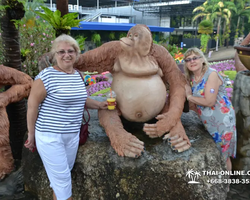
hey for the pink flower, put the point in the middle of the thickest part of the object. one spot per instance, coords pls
(24, 25)
(44, 34)
(24, 66)
(52, 42)
(32, 44)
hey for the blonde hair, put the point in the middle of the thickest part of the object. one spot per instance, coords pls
(67, 39)
(197, 52)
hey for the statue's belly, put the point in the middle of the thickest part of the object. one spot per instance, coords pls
(139, 99)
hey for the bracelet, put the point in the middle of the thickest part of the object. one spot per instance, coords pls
(188, 96)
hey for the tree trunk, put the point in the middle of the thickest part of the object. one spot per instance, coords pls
(62, 5)
(229, 26)
(218, 34)
(12, 58)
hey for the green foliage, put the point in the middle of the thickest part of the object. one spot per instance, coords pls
(205, 27)
(122, 34)
(204, 40)
(81, 41)
(188, 35)
(230, 74)
(112, 35)
(25, 52)
(60, 24)
(172, 49)
(36, 37)
(191, 36)
(96, 38)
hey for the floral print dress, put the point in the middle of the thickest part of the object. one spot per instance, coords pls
(219, 120)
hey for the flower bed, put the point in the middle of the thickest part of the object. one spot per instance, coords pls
(228, 68)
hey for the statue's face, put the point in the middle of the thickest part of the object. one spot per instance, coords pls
(138, 40)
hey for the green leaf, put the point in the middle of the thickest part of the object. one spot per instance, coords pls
(57, 17)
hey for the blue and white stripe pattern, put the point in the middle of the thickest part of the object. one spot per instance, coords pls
(62, 109)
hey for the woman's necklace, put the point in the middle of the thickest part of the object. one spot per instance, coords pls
(65, 71)
(197, 79)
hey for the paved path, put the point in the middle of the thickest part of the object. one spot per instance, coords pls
(223, 54)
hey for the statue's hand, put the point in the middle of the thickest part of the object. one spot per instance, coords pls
(177, 138)
(126, 144)
(165, 124)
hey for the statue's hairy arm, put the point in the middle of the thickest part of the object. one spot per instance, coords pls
(176, 80)
(21, 85)
(100, 59)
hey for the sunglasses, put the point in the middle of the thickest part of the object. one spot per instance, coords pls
(190, 59)
(63, 52)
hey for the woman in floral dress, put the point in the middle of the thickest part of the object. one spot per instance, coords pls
(215, 109)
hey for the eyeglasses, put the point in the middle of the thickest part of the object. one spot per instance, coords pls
(190, 59)
(63, 52)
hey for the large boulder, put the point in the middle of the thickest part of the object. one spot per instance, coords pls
(99, 173)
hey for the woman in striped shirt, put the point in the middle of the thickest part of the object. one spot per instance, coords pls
(54, 116)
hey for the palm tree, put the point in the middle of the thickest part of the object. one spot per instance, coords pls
(190, 174)
(204, 11)
(12, 58)
(196, 175)
(62, 6)
(215, 10)
(242, 10)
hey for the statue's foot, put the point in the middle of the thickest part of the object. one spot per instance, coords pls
(177, 138)
(126, 144)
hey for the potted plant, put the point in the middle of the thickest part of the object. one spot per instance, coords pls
(243, 51)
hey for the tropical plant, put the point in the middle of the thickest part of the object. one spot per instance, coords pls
(60, 24)
(122, 34)
(205, 28)
(81, 41)
(215, 10)
(96, 38)
(242, 10)
(112, 35)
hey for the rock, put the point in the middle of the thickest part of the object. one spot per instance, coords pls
(12, 184)
(241, 102)
(99, 173)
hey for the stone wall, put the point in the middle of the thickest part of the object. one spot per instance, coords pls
(241, 103)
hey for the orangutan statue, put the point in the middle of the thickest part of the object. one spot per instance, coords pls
(21, 85)
(140, 72)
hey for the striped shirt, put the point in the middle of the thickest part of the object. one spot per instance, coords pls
(61, 110)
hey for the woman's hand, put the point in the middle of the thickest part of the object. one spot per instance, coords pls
(30, 142)
(188, 90)
(103, 105)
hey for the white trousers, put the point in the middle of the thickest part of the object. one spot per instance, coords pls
(58, 154)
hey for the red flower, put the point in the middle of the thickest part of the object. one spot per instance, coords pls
(224, 109)
(213, 108)
(228, 136)
(199, 111)
(222, 102)
(225, 147)
(205, 121)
